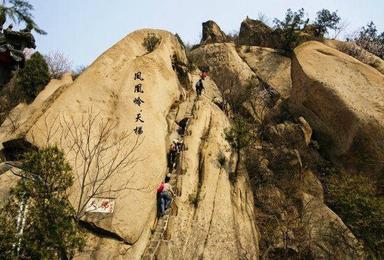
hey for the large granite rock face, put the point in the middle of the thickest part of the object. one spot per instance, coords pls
(215, 218)
(343, 101)
(212, 33)
(105, 91)
(352, 49)
(270, 66)
(223, 62)
(256, 33)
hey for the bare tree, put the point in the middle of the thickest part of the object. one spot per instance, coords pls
(58, 64)
(263, 18)
(341, 29)
(101, 158)
(99, 155)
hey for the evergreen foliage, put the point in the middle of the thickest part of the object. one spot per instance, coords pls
(50, 230)
(354, 198)
(326, 20)
(33, 77)
(19, 11)
(290, 28)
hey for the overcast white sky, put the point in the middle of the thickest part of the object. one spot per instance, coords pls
(83, 29)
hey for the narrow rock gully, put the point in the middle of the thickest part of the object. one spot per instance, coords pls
(159, 232)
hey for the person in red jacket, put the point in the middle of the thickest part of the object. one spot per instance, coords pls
(164, 195)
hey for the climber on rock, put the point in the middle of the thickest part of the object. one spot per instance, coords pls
(178, 144)
(182, 126)
(199, 84)
(164, 194)
(172, 154)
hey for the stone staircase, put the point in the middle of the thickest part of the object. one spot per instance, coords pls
(162, 224)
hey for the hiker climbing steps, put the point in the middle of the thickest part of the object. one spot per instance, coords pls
(174, 170)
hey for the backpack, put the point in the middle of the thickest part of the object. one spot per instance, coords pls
(160, 188)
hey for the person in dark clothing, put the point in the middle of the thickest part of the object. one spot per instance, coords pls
(199, 84)
(172, 154)
(199, 87)
(182, 125)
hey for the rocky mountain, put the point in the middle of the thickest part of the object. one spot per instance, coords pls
(266, 199)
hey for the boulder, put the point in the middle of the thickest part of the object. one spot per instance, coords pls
(328, 236)
(270, 66)
(256, 33)
(7, 181)
(343, 101)
(224, 63)
(212, 33)
(357, 52)
(306, 128)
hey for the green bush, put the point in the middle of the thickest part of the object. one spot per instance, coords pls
(50, 230)
(355, 200)
(241, 134)
(290, 28)
(326, 20)
(194, 199)
(151, 42)
(32, 78)
(221, 159)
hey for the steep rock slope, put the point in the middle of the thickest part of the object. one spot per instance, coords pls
(272, 67)
(212, 33)
(280, 175)
(215, 217)
(342, 99)
(75, 114)
(222, 60)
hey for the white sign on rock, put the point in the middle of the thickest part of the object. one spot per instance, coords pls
(100, 205)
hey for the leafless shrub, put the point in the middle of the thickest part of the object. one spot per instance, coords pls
(98, 154)
(78, 71)
(264, 18)
(341, 29)
(233, 36)
(58, 64)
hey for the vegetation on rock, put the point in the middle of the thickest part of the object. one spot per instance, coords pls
(58, 64)
(326, 20)
(151, 41)
(354, 198)
(371, 40)
(46, 227)
(32, 78)
(19, 11)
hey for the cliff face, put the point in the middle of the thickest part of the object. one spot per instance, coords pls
(116, 121)
(97, 111)
(342, 99)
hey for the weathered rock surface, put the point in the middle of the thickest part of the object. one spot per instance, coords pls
(214, 216)
(328, 236)
(212, 33)
(256, 33)
(342, 99)
(105, 92)
(7, 181)
(222, 60)
(357, 52)
(269, 65)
